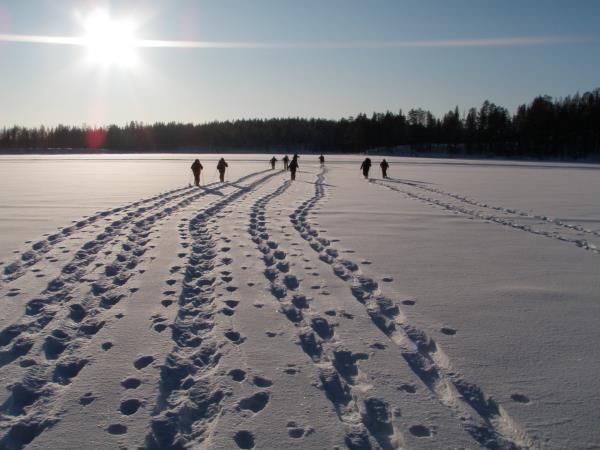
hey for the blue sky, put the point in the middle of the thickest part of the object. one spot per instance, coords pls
(50, 84)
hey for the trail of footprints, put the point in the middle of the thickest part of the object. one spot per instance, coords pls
(366, 419)
(486, 421)
(572, 233)
(63, 345)
(118, 217)
(190, 392)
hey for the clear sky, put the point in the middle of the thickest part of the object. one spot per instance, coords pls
(288, 58)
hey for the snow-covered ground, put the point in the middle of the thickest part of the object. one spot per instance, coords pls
(454, 305)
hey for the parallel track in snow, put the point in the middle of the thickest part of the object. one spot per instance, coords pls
(485, 420)
(509, 217)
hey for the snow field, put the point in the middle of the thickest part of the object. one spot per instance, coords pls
(260, 313)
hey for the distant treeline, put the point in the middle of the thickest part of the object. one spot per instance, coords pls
(544, 128)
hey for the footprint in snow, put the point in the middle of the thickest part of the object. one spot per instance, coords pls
(160, 327)
(448, 331)
(116, 428)
(256, 402)
(409, 388)
(244, 439)
(227, 311)
(378, 346)
(130, 406)
(87, 398)
(142, 362)
(520, 398)
(232, 303)
(237, 375)
(294, 431)
(235, 337)
(131, 383)
(420, 431)
(261, 381)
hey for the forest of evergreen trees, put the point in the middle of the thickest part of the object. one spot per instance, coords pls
(544, 128)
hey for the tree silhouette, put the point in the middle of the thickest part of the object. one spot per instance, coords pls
(563, 128)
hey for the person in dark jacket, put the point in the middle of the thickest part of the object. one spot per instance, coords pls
(273, 161)
(322, 159)
(293, 167)
(221, 166)
(196, 169)
(384, 167)
(286, 162)
(365, 166)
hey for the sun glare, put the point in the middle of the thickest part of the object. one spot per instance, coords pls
(109, 41)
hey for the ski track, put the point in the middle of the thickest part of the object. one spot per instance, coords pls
(366, 419)
(27, 411)
(16, 269)
(485, 420)
(191, 389)
(464, 207)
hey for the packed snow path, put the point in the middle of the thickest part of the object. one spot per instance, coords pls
(224, 317)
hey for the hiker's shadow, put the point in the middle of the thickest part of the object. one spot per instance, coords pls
(211, 190)
(314, 182)
(238, 186)
(402, 181)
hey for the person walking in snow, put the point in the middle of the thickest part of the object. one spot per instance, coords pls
(286, 162)
(293, 167)
(322, 160)
(384, 167)
(221, 167)
(196, 169)
(365, 166)
(273, 161)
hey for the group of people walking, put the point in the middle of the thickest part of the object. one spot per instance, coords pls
(288, 165)
(366, 166)
(291, 166)
(197, 170)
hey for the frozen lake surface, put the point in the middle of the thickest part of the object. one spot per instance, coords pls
(453, 305)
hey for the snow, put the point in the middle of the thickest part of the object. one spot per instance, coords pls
(453, 305)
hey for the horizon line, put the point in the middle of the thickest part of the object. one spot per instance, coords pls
(434, 43)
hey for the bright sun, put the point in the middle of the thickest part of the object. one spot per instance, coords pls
(110, 41)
